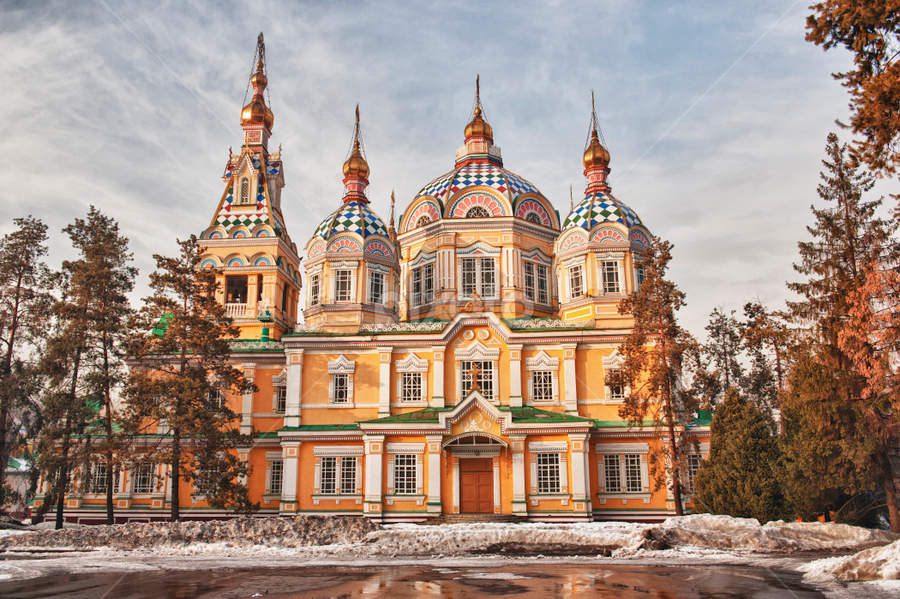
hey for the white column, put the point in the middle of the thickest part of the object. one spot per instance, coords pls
(290, 454)
(294, 388)
(515, 376)
(578, 445)
(520, 501)
(456, 503)
(384, 382)
(569, 368)
(374, 461)
(247, 399)
(437, 394)
(433, 442)
(496, 463)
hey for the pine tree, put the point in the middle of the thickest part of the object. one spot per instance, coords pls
(723, 348)
(849, 239)
(653, 356)
(98, 283)
(25, 301)
(871, 30)
(180, 376)
(741, 476)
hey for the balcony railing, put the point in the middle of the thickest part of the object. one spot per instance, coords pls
(236, 310)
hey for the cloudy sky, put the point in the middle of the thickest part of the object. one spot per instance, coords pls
(715, 114)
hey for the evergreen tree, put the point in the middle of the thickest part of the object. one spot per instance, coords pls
(723, 348)
(860, 425)
(871, 30)
(25, 301)
(653, 358)
(179, 379)
(98, 283)
(741, 476)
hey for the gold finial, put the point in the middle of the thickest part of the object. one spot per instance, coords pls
(571, 199)
(392, 232)
(392, 207)
(257, 111)
(479, 127)
(478, 95)
(356, 165)
(595, 152)
(230, 154)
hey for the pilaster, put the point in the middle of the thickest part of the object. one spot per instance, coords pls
(515, 376)
(519, 501)
(294, 386)
(290, 453)
(384, 382)
(247, 399)
(433, 443)
(437, 394)
(374, 464)
(571, 381)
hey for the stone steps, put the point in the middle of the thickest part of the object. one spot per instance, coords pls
(470, 518)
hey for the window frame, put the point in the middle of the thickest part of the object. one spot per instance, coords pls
(143, 472)
(343, 276)
(407, 465)
(422, 277)
(473, 267)
(610, 279)
(274, 474)
(376, 298)
(548, 482)
(486, 375)
(575, 273)
(315, 296)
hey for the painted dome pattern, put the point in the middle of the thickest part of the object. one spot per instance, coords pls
(353, 217)
(597, 208)
(499, 179)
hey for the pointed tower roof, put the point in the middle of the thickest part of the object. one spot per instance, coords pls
(257, 111)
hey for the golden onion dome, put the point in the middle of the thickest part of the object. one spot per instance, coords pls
(479, 127)
(595, 155)
(256, 111)
(356, 166)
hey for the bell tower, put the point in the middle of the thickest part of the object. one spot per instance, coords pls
(247, 238)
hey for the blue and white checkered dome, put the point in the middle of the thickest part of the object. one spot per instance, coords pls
(354, 217)
(496, 177)
(597, 208)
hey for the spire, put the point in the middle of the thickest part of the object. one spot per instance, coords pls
(257, 112)
(571, 199)
(392, 232)
(356, 169)
(478, 127)
(596, 156)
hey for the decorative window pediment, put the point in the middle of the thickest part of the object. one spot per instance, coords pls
(412, 363)
(542, 361)
(613, 360)
(341, 366)
(280, 379)
(478, 351)
(478, 249)
(422, 258)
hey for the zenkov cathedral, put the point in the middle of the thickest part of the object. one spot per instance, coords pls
(451, 364)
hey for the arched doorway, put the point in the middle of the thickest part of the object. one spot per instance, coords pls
(476, 472)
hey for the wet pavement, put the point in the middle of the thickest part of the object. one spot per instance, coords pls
(539, 580)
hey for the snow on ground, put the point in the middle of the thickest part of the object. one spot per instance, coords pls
(877, 563)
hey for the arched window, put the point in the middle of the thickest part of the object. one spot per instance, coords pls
(478, 212)
(534, 217)
(423, 220)
(245, 191)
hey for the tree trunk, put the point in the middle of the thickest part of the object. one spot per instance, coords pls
(890, 492)
(62, 478)
(110, 479)
(5, 401)
(175, 478)
(676, 475)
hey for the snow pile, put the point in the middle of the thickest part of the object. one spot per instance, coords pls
(599, 538)
(725, 532)
(878, 563)
(299, 531)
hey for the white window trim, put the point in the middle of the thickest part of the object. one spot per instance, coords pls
(279, 381)
(421, 268)
(559, 448)
(339, 453)
(373, 272)
(417, 449)
(478, 352)
(542, 362)
(479, 285)
(334, 282)
(154, 478)
(614, 361)
(621, 450)
(412, 364)
(273, 456)
(570, 273)
(341, 366)
(537, 264)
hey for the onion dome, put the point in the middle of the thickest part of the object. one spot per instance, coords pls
(598, 207)
(256, 112)
(354, 217)
(478, 127)
(596, 156)
(356, 166)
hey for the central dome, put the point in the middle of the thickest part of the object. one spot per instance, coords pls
(497, 178)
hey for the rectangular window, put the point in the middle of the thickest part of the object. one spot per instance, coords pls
(617, 393)
(341, 384)
(423, 285)
(342, 285)
(485, 378)
(488, 280)
(280, 400)
(410, 386)
(613, 476)
(276, 476)
(376, 288)
(576, 282)
(143, 478)
(348, 476)
(536, 282)
(96, 483)
(640, 276)
(542, 385)
(314, 290)
(543, 281)
(548, 473)
(468, 276)
(215, 399)
(405, 474)
(693, 465)
(633, 482)
(610, 269)
(329, 476)
(530, 294)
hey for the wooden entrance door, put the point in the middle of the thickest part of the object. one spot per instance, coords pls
(476, 486)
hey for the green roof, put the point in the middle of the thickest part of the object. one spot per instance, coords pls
(422, 416)
(321, 427)
(530, 414)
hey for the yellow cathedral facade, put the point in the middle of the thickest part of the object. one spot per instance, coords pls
(451, 363)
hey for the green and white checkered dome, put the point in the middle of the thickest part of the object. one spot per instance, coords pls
(354, 217)
(598, 207)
